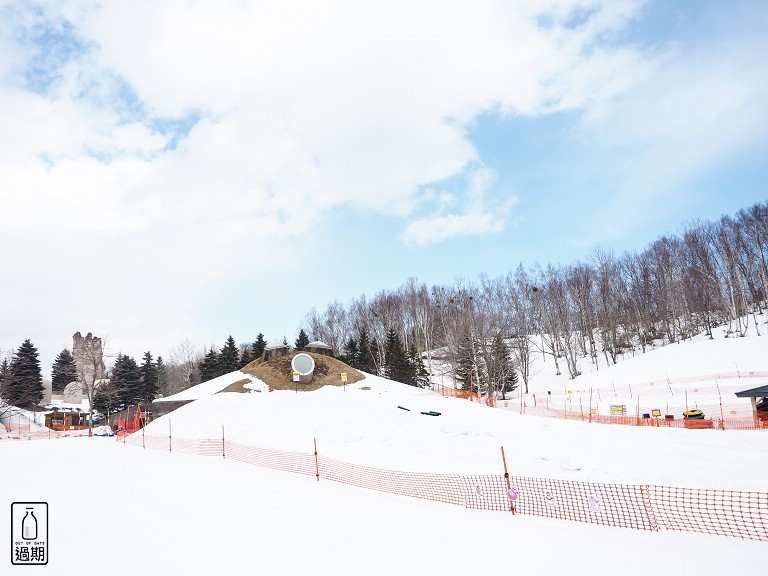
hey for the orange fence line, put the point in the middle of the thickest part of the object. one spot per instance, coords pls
(642, 507)
(760, 423)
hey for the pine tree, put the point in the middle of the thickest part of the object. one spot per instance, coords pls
(229, 357)
(246, 356)
(106, 400)
(258, 347)
(64, 371)
(365, 361)
(149, 377)
(126, 380)
(302, 340)
(397, 367)
(351, 353)
(162, 375)
(501, 370)
(420, 374)
(24, 385)
(5, 375)
(209, 367)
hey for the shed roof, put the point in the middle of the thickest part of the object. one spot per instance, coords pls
(759, 392)
(275, 345)
(317, 344)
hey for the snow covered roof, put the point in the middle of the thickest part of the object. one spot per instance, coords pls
(317, 344)
(275, 345)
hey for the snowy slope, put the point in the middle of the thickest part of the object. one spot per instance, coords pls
(367, 427)
(208, 388)
(192, 514)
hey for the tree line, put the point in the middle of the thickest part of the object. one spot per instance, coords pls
(709, 275)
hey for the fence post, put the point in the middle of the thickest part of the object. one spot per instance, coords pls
(506, 477)
(317, 468)
(143, 445)
(223, 448)
(170, 446)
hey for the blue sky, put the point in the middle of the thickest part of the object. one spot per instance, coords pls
(190, 170)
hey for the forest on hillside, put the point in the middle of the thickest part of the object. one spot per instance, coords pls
(708, 275)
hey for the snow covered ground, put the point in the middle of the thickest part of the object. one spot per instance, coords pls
(117, 508)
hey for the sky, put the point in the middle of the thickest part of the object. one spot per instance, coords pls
(188, 170)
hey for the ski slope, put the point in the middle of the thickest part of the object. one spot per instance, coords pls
(121, 509)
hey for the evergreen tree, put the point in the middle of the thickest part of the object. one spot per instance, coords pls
(397, 367)
(5, 375)
(209, 367)
(420, 374)
(126, 380)
(366, 351)
(149, 377)
(23, 387)
(64, 371)
(351, 353)
(501, 369)
(106, 400)
(229, 357)
(162, 375)
(302, 340)
(285, 341)
(246, 356)
(258, 347)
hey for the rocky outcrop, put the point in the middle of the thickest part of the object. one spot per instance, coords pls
(89, 357)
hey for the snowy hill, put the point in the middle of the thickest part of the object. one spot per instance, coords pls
(364, 424)
(198, 515)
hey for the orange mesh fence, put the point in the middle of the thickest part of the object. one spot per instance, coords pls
(624, 506)
(642, 507)
(721, 512)
(467, 395)
(447, 488)
(690, 423)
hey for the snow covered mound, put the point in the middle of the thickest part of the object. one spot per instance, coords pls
(214, 386)
(379, 423)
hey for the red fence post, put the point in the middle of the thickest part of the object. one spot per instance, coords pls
(506, 477)
(223, 449)
(170, 448)
(317, 468)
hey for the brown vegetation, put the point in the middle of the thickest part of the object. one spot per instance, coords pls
(278, 374)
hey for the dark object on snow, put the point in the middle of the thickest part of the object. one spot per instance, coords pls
(669, 416)
(646, 415)
(404, 408)
(693, 415)
(431, 413)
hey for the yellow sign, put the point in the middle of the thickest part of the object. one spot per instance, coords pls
(343, 376)
(618, 409)
(655, 412)
(296, 376)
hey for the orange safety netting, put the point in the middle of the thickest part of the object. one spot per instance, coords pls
(642, 507)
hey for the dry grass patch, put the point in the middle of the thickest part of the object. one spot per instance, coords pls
(278, 374)
(238, 386)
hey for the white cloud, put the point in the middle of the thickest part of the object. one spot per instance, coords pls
(304, 109)
(440, 228)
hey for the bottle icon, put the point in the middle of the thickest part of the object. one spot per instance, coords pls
(29, 525)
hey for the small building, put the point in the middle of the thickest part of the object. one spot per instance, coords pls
(66, 419)
(318, 347)
(274, 350)
(759, 398)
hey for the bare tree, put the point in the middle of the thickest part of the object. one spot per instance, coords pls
(183, 367)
